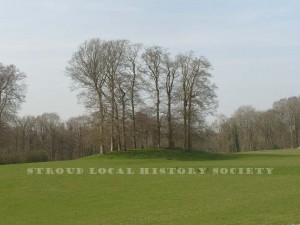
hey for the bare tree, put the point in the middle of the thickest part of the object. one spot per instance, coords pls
(293, 108)
(184, 67)
(274, 128)
(196, 92)
(246, 118)
(132, 67)
(265, 128)
(124, 97)
(288, 111)
(87, 69)
(12, 90)
(42, 130)
(114, 58)
(170, 68)
(79, 130)
(53, 123)
(153, 58)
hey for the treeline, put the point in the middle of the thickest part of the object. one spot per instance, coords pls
(250, 129)
(47, 137)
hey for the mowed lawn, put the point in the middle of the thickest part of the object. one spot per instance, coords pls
(96, 199)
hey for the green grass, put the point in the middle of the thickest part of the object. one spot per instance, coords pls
(155, 199)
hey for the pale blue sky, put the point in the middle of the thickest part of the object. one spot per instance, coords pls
(254, 46)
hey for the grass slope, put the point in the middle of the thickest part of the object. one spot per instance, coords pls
(155, 199)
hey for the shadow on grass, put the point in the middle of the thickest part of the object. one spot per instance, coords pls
(176, 154)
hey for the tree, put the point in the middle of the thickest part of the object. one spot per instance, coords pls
(54, 127)
(123, 95)
(114, 63)
(293, 111)
(87, 69)
(246, 120)
(78, 130)
(170, 67)
(196, 92)
(288, 113)
(12, 90)
(266, 123)
(132, 67)
(153, 58)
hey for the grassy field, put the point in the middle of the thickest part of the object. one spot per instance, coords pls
(210, 198)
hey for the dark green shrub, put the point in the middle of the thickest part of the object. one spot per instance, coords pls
(10, 159)
(36, 156)
(275, 147)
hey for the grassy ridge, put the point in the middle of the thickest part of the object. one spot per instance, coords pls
(155, 199)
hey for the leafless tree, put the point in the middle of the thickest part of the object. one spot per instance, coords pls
(88, 70)
(266, 128)
(12, 90)
(153, 58)
(132, 68)
(246, 118)
(196, 92)
(114, 58)
(288, 111)
(123, 94)
(79, 130)
(170, 73)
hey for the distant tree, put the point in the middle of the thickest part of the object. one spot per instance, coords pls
(266, 128)
(288, 112)
(79, 130)
(293, 108)
(221, 127)
(246, 118)
(146, 128)
(27, 125)
(54, 127)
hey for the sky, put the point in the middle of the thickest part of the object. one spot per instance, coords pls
(253, 45)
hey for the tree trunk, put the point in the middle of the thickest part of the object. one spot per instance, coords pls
(296, 133)
(118, 128)
(101, 122)
(170, 130)
(157, 114)
(185, 147)
(112, 116)
(123, 124)
(189, 126)
(133, 112)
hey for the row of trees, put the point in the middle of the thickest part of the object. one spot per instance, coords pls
(249, 129)
(119, 79)
(48, 137)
